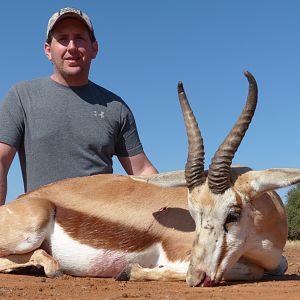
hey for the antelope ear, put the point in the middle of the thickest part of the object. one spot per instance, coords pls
(254, 183)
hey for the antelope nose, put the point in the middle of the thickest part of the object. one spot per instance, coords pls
(208, 282)
(194, 277)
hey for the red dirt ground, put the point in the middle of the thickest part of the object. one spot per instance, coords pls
(287, 287)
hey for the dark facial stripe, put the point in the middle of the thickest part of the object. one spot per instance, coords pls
(239, 202)
(100, 233)
(223, 251)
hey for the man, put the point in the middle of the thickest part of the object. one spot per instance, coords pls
(67, 126)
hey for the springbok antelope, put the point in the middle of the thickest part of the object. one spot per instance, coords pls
(224, 224)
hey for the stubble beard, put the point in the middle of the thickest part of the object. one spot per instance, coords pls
(72, 76)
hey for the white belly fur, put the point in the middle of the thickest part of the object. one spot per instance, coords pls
(83, 260)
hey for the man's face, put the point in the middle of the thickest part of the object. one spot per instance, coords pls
(71, 51)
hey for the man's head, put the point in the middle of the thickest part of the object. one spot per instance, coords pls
(69, 12)
(70, 46)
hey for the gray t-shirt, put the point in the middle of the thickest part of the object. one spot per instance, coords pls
(63, 132)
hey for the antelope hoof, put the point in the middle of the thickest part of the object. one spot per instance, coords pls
(55, 274)
(281, 268)
(125, 274)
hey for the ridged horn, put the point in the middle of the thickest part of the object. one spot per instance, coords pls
(194, 168)
(218, 173)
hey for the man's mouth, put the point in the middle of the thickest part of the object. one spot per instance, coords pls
(72, 60)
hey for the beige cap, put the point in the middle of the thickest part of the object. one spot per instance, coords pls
(68, 12)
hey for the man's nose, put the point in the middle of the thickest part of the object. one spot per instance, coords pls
(71, 45)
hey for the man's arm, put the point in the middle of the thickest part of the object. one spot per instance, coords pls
(7, 154)
(137, 165)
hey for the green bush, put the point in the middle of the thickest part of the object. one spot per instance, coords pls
(293, 212)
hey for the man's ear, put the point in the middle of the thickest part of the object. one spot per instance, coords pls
(47, 50)
(95, 48)
(254, 183)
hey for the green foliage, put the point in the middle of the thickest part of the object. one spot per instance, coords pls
(293, 212)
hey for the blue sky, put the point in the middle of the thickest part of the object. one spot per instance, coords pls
(146, 47)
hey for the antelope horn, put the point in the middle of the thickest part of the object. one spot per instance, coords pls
(218, 173)
(194, 168)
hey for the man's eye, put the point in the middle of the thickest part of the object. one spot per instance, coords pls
(62, 40)
(80, 38)
(232, 217)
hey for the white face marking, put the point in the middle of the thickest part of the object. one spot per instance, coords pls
(221, 229)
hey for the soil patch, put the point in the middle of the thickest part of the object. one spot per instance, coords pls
(16, 286)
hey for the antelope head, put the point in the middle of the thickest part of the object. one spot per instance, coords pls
(221, 206)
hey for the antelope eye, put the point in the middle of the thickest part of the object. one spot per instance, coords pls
(232, 217)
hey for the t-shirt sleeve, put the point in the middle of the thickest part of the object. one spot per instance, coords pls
(11, 119)
(128, 141)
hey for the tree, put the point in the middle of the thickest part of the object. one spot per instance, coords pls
(293, 212)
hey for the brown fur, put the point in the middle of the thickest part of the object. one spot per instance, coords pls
(116, 212)
(21, 219)
(101, 233)
(110, 217)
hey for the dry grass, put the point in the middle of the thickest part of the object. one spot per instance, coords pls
(293, 244)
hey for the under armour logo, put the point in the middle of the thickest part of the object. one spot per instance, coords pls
(99, 114)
